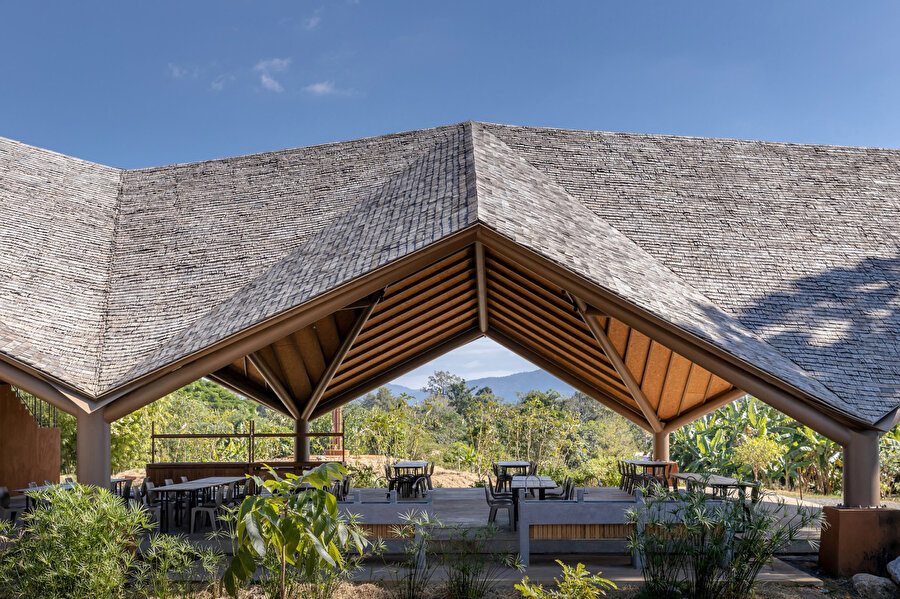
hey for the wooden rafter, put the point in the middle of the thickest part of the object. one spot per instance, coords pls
(482, 287)
(633, 386)
(397, 370)
(244, 386)
(274, 383)
(337, 360)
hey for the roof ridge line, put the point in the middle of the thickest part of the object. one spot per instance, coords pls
(669, 271)
(312, 238)
(107, 291)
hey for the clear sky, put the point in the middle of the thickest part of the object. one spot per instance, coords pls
(139, 84)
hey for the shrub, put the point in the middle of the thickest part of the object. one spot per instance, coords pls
(576, 583)
(471, 568)
(757, 453)
(169, 565)
(696, 547)
(415, 572)
(365, 476)
(297, 529)
(77, 543)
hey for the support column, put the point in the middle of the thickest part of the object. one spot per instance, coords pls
(301, 444)
(661, 446)
(861, 475)
(93, 449)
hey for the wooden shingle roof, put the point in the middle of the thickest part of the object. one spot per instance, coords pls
(784, 256)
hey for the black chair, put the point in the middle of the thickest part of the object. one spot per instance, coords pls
(503, 478)
(497, 502)
(126, 491)
(8, 506)
(429, 471)
(562, 492)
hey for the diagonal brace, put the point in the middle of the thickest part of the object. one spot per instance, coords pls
(338, 359)
(633, 386)
(278, 388)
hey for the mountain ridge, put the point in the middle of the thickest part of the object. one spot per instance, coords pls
(504, 387)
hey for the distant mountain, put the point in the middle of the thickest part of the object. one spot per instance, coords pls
(505, 387)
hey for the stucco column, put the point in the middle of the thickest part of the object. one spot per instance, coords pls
(661, 446)
(93, 449)
(861, 475)
(301, 444)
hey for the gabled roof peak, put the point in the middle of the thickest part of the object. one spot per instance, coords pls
(111, 274)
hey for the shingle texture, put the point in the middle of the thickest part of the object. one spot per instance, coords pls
(786, 256)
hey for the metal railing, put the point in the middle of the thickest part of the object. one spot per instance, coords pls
(43, 413)
(251, 437)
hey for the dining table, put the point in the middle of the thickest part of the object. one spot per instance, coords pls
(532, 483)
(192, 489)
(654, 467)
(519, 466)
(721, 485)
(29, 501)
(410, 467)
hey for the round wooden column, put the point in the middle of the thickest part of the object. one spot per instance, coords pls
(861, 475)
(661, 446)
(92, 445)
(301, 444)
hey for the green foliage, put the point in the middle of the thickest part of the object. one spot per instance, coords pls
(804, 459)
(298, 526)
(464, 428)
(576, 583)
(76, 543)
(757, 453)
(471, 567)
(169, 565)
(415, 570)
(696, 547)
(364, 476)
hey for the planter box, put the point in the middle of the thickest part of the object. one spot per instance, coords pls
(859, 540)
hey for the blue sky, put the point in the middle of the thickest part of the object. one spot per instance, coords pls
(139, 84)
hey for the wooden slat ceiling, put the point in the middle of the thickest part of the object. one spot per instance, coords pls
(437, 309)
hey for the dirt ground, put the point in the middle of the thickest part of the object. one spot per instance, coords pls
(836, 589)
(442, 478)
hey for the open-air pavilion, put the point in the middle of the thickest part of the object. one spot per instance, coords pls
(662, 276)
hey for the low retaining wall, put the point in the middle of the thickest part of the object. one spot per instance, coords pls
(560, 519)
(858, 540)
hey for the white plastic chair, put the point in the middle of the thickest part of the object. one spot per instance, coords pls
(210, 509)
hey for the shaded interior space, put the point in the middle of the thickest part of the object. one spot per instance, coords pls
(305, 278)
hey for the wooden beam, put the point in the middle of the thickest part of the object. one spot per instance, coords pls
(799, 405)
(710, 405)
(343, 350)
(248, 389)
(153, 385)
(633, 386)
(278, 388)
(482, 287)
(396, 371)
(566, 376)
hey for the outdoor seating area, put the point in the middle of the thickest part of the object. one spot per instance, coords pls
(409, 478)
(518, 481)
